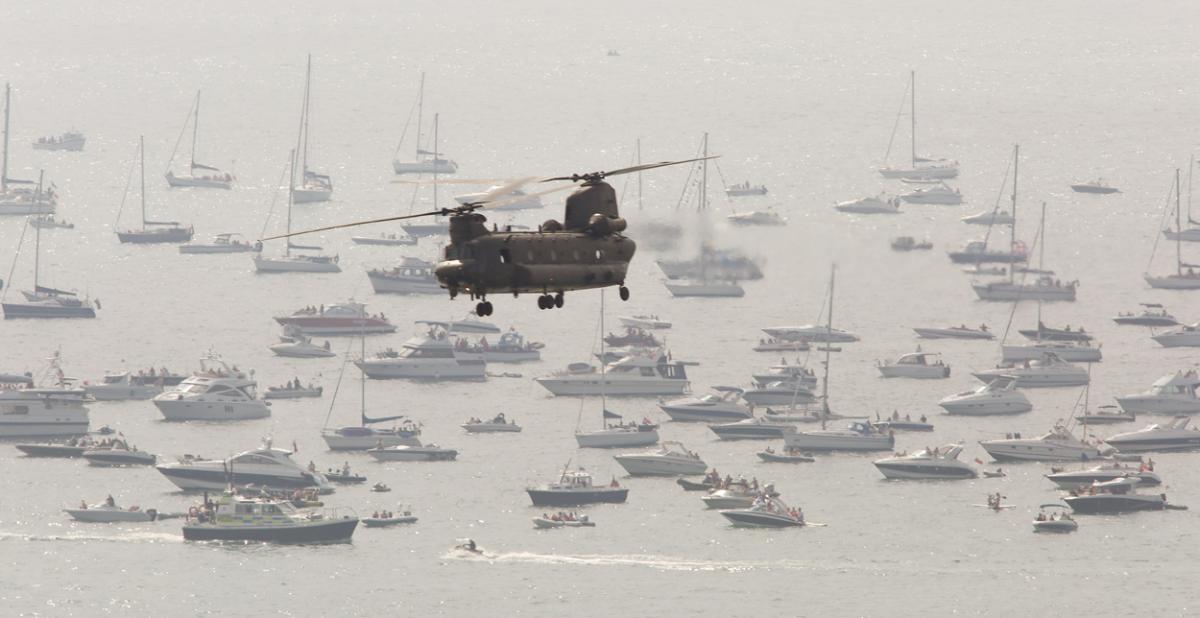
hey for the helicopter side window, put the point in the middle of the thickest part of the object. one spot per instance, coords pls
(505, 256)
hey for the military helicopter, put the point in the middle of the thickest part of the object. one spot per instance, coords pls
(586, 250)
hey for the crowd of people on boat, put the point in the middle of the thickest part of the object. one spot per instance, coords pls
(383, 515)
(565, 516)
(499, 419)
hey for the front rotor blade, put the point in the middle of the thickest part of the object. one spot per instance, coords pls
(356, 223)
(452, 181)
(650, 166)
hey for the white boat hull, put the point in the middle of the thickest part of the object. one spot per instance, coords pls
(1008, 292)
(1156, 404)
(433, 369)
(1034, 379)
(337, 442)
(616, 439)
(104, 515)
(123, 392)
(985, 405)
(591, 385)
(397, 285)
(811, 441)
(1037, 451)
(941, 470)
(182, 410)
(1178, 340)
(1018, 353)
(293, 350)
(652, 465)
(491, 428)
(706, 290)
(198, 181)
(294, 265)
(1174, 282)
(56, 424)
(919, 372)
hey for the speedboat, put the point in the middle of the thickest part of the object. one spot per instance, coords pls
(363, 437)
(977, 252)
(647, 322)
(238, 518)
(574, 488)
(772, 344)
(221, 243)
(857, 436)
(1046, 333)
(881, 204)
(1054, 520)
(404, 452)
(1048, 371)
(1104, 473)
(1045, 288)
(1000, 396)
(1059, 444)
(1114, 497)
(1174, 393)
(549, 523)
(218, 392)
(1106, 415)
(294, 391)
(107, 513)
(386, 240)
(723, 405)
(1172, 436)
(765, 513)
(671, 459)
(812, 333)
(348, 318)
(632, 375)
(756, 217)
(124, 386)
(1070, 351)
(935, 463)
(297, 345)
(498, 424)
(428, 357)
(1152, 314)
(787, 455)
(954, 332)
(919, 365)
(940, 193)
(264, 466)
(1002, 217)
(118, 453)
(736, 494)
(780, 394)
(412, 276)
(1094, 186)
(753, 429)
(1187, 336)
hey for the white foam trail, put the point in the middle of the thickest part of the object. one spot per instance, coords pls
(663, 563)
(131, 537)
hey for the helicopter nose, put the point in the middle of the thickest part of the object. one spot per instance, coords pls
(449, 271)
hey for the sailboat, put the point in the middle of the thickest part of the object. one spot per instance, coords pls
(298, 263)
(918, 167)
(857, 436)
(439, 226)
(1180, 279)
(707, 284)
(977, 252)
(1046, 287)
(21, 200)
(363, 436)
(313, 187)
(1192, 233)
(46, 302)
(615, 436)
(152, 231)
(209, 177)
(425, 161)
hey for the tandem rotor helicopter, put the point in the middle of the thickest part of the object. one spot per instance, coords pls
(584, 251)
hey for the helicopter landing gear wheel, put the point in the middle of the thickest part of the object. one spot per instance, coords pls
(544, 302)
(483, 309)
(559, 299)
(623, 292)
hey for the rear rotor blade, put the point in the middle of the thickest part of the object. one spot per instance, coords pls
(357, 223)
(627, 170)
(452, 181)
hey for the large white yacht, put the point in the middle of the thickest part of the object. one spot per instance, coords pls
(935, 463)
(28, 411)
(1048, 371)
(779, 394)
(1000, 396)
(857, 436)
(723, 405)
(218, 392)
(264, 466)
(672, 459)
(1059, 444)
(428, 357)
(1187, 336)
(919, 365)
(629, 376)
(1173, 436)
(1171, 394)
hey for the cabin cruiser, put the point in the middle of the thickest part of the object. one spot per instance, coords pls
(857, 436)
(1054, 520)
(239, 518)
(1104, 473)
(1187, 336)
(265, 466)
(745, 189)
(348, 318)
(1070, 351)
(736, 494)
(936, 463)
(295, 344)
(124, 386)
(1059, 444)
(976, 252)
(766, 512)
(955, 332)
(1171, 394)
(753, 429)
(646, 322)
(221, 243)
(385, 240)
(881, 204)
(1000, 396)
(430, 357)
(1095, 186)
(1105, 415)
(218, 392)
(108, 512)
(704, 287)
(1152, 314)
(1002, 217)
(404, 452)
(783, 372)
(632, 375)
(1175, 435)
(498, 424)
(811, 333)
(1045, 288)
(1048, 371)
(1116, 496)
(780, 394)
(721, 406)
(919, 365)
(671, 459)
(512, 348)
(940, 193)
(27, 411)
(574, 488)
(117, 452)
(412, 276)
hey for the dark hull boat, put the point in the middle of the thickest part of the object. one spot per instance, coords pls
(1116, 503)
(52, 450)
(151, 235)
(316, 531)
(694, 485)
(575, 497)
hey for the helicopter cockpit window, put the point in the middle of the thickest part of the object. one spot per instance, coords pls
(505, 256)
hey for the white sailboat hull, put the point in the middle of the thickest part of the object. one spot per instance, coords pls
(294, 265)
(1174, 282)
(616, 439)
(198, 181)
(1009, 292)
(566, 385)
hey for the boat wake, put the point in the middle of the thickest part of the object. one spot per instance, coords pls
(132, 537)
(661, 563)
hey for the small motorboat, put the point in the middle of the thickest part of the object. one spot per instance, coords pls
(772, 344)
(293, 391)
(118, 453)
(380, 488)
(1152, 314)
(498, 424)
(1054, 518)
(344, 476)
(383, 519)
(1095, 186)
(789, 455)
(687, 485)
(1103, 473)
(766, 512)
(1106, 415)
(563, 520)
(908, 243)
(403, 452)
(737, 494)
(1045, 333)
(895, 423)
(295, 344)
(73, 447)
(917, 365)
(108, 512)
(955, 332)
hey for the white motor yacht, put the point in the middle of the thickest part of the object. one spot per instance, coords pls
(403, 452)
(766, 512)
(221, 243)
(428, 357)
(295, 344)
(954, 332)
(1172, 436)
(881, 204)
(1187, 336)
(672, 459)
(265, 466)
(940, 193)
(218, 392)
(1002, 217)
(783, 372)
(1000, 396)
(918, 365)
(780, 394)
(412, 276)
(753, 429)
(723, 405)
(935, 463)
(1152, 314)
(1070, 351)
(26, 411)
(709, 288)
(1048, 371)
(124, 386)
(644, 322)
(349, 318)
(1174, 393)
(812, 333)
(1059, 444)
(629, 376)
(1045, 288)
(1104, 473)
(857, 436)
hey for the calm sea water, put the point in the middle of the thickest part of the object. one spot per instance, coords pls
(800, 97)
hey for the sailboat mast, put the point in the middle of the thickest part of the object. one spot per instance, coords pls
(1013, 226)
(37, 255)
(828, 349)
(287, 248)
(303, 145)
(420, 113)
(142, 163)
(1042, 241)
(639, 176)
(912, 104)
(1178, 229)
(435, 160)
(362, 381)
(4, 164)
(195, 130)
(704, 176)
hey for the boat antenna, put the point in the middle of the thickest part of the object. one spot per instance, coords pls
(912, 78)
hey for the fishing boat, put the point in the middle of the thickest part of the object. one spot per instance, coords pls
(151, 232)
(198, 174)
(310, 186)
(574, 488)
